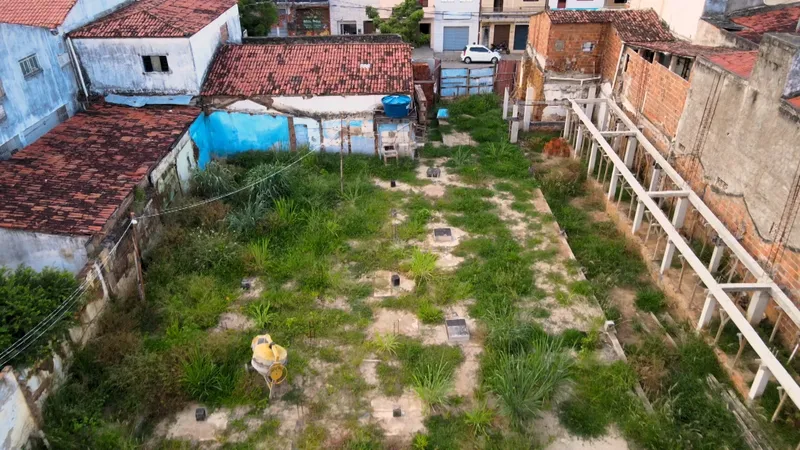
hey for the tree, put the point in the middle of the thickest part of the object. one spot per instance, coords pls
(404, 21)
(258, 16)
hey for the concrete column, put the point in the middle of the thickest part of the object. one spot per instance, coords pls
(591, 93)
(526, 118)
(579, 140)
(680, 212)
(592, 158)
(638, 217)
(655, 179)
(716, 258)
(514, 123)
(669, 253)
(612, 185)
(708, 312)
(505, 104)
(567, 124)
(757, 307)
(759, 383)
(630, 152)
(673, 62)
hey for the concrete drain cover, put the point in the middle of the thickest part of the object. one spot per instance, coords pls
(442, 234)
(457, 330)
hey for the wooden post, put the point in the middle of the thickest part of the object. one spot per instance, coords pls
(137, 257)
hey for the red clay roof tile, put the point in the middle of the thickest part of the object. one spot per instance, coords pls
(35, 13)
(740, 63)
(758, 21)
(75, 177)
(156, 18)
(633, 25)
(794, 102)
(303, 69)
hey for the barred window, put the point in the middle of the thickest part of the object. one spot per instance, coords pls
(30, 65)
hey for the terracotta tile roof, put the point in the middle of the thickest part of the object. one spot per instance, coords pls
(740, 63)
(35, 13)
(683, 48)
(156, 18)
(770, 19)
(74, 178)
(633, 25)
(794, 102)
(301, 69)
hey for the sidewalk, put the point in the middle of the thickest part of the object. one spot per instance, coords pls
(452, 60)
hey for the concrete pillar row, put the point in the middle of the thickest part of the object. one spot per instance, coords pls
(759, 383)
(757, 307)
(708, 312)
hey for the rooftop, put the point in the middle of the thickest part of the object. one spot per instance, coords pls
(633, 25)
(683, 48)
(739, 63)
(753, 23)
(795, 101)
(36, 13)
(156, 18)
(73, 179)
(303, 69)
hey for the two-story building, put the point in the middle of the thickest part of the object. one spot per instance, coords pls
(505, 22)
(155, 47)
(456, 24)
(38, 84)
(307, 18)
(350, 16)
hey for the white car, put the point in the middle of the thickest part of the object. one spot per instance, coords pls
(479, 53)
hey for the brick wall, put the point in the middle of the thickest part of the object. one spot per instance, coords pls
(613, 45)
(565, 48)
(654, 91)
(538, 34)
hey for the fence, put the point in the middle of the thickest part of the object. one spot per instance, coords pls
(506, 76)
(458, 82)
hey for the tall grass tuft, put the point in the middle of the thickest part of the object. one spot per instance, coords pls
(203, 379)
(525, 382)
(259, 253)
(216, 179)
(423, 264)
(386, 344)
(261, 315)
(433, 383)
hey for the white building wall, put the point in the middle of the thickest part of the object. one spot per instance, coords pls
(205, 42)
(581, 4)
(455, 13)
(16, 420)
(682, 16)
(349, 11)
(115, 66)
(85, 11)
(40, 250)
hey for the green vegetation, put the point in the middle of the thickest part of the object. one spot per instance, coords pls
(650, 300)
(258, 16)
(404, 21)
(26, 298)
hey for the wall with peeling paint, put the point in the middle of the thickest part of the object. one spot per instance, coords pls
(223, 133)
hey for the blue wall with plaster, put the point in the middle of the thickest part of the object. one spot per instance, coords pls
(222, 134)
(455, 81)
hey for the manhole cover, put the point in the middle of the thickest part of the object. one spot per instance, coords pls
(442, 234)
(457, 329)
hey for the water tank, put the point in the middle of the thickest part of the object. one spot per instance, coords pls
(396, 106)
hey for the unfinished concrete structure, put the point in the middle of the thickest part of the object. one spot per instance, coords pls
(621, 157)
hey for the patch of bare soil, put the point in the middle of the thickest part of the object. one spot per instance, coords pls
(339, 303)
(589, 205)
(185, 427)
(233, 321)
(388, 321)
(412, 415)
(555, 437)
(256, 288)
(625, 301)
(382, 284)
(456, 138)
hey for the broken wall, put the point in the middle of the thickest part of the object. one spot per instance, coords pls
(736, 145)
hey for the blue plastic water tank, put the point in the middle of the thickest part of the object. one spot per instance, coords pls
(396, 106)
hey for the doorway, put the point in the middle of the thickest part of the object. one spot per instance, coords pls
(501, 33)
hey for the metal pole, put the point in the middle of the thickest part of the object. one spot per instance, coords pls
(137, 256)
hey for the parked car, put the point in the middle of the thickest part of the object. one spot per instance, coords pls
(479, 53)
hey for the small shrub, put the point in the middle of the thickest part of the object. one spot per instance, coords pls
(202, 378)
(270, 181)
(582, 419)
(245, 220)
(430, 314)
(422, 265)
(386, 344)
(650, 300)
(261, 314)
(479, 419)
(433, 383)
(259, 254)
(557, 147)
(216, 179)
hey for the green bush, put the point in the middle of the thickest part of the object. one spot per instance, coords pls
(582, 419)
(430, 314)
(433, 382)
(216, 179)
(422, 266)
(26, 298)
(650, 299)
(204, 379)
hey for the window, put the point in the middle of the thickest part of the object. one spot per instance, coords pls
(588, 47)
(664, 59)
(348, 28)
(155, 64)
(30, 66)
(559, 46)
(369, 27)
(620, 1)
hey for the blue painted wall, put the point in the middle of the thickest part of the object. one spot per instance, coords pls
(454, 81)
(223, 133)
(30, 100)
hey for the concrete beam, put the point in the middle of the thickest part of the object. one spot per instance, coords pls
(716, 293)
(666, 194)
(727, 237)
(592, 159)
(745, 287)
(617, 133)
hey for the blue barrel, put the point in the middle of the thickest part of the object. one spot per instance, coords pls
(396, 106)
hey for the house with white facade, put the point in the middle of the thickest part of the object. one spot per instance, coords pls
(455, 24)
(350, 16)
(320, 93)
(155, 47)
(38, 83)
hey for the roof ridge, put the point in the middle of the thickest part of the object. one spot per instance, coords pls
(165, 21)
